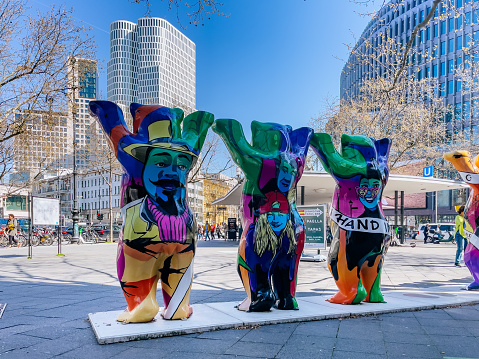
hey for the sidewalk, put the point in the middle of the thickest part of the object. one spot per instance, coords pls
(49, 299)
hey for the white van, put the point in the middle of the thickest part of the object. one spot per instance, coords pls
(446, 229)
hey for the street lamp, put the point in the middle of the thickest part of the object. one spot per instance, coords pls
(75, 211)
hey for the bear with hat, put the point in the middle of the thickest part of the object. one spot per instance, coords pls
(157, 241)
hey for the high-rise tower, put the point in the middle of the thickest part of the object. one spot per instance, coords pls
(151, 62)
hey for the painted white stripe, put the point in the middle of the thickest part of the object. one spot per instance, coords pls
(180, 292)
(366, 224)
(474, 240)
(470, 178)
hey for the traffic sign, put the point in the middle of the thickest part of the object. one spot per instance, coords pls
(428, 171)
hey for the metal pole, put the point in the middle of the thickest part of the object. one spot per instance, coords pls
(30, 224)
(395, 209)
(435, 207)
(99, 196)
(75, 212)
(59, 218)
(302, 196)
(401, 238)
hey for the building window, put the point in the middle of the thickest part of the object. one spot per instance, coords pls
(459, 43)
(450, 87)
(459, 22)
(468, 18)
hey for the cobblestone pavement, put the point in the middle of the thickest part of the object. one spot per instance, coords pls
(48, 299)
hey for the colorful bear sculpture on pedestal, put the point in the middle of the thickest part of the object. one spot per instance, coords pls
(359, 228)
(157, 242)
(271, 245)
(469, 170)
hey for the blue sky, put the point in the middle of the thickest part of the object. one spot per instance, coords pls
(270, 60)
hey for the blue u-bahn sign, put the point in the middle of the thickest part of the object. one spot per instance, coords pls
(428, 171)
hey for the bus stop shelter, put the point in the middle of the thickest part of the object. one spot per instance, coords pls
(318, 188)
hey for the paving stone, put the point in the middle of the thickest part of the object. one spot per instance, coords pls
(406, 338)
(432, 314)
(359, 330)
(298, 342)
(308, 348)
(445, 323)
(434, 330)
(225, 334)
(361, 346)
(340, 354)
(17, 341)
(265, 350)
(463, 313)
(413, 350)
(25, 353)
(458, 347)
(208, 346)
(323, 328)
(258, 336)
(95, 351)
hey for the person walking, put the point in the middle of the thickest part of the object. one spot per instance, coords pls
(12, 228)
(207, 231)
(212, 230)
(427, 227)
(459, 236)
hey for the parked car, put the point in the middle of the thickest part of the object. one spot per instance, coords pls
(445, 229)
(103, 231)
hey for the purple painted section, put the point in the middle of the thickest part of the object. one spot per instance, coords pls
(471, 258)
(247, 215)
(120, 260)
(268, 172)
(171, 228)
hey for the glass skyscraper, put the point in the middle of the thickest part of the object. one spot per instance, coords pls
(151, 62)
(448, 40)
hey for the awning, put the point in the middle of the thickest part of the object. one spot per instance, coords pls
(319, 187)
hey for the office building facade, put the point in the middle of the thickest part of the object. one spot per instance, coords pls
(151, 62)
(445, 45)
(46, 146)
(440, 51)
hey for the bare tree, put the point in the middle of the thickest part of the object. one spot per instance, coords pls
(211, 161)
(196, 11)
(395, 99)
(102, 161)
(34, 59)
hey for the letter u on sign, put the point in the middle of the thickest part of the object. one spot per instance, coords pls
(428, 171)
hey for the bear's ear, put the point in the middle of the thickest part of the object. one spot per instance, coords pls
(136, 122)
(133, 108)
(382, 148)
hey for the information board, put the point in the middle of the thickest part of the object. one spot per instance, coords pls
(314, 218)
(46, 211)
(232, 228)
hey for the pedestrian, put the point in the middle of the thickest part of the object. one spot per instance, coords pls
(207, 231)
(12, 228)
(212, 231)
(427, 227)
(459, 236)
(240, 230)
